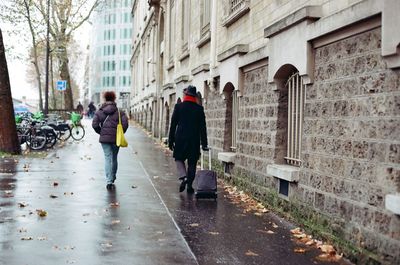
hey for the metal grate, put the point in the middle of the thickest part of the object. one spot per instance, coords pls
(236, 5)
(296, 90)
(235, 115)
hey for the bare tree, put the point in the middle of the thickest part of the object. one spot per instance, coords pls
(24, 12)
(8, 133)
(66, 17)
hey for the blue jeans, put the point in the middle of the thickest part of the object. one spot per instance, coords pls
(111, 163)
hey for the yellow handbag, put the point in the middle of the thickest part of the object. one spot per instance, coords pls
(120, 141)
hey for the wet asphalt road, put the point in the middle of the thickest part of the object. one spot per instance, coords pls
(144, 221)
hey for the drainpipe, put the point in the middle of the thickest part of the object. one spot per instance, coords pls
(213, 42)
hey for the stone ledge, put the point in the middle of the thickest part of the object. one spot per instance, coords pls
(168, 86)
(237, 49)
(286, 172)
(204, 40)
(232, 18)
(200, 68)
(308, 12)
(227, 157)
(182, 78)
(392, 203)
(184, 55)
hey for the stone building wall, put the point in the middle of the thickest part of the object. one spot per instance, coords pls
(256, 126)
(351, 137)
(215, 110)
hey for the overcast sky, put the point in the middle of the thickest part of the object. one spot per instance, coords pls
(18, 67)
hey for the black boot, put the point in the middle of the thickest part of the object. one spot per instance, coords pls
(183, 184)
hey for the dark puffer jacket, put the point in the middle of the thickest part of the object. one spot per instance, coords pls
(105, 122)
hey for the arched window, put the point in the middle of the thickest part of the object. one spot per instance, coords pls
(231, 115)
(295, 110)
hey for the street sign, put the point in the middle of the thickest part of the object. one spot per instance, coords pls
(61, 85)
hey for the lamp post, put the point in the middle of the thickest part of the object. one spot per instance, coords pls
(46, 89)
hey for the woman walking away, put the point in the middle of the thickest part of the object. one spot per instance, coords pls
(187, 130)
(105, 123)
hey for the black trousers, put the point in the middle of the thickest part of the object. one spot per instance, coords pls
(189, 172)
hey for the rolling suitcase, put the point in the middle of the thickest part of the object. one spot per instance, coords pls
(206, 180)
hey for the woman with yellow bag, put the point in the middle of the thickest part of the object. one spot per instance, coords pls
(111, 124)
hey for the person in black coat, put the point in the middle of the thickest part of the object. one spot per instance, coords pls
(187, 131)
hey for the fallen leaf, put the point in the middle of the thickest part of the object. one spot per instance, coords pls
(214, 233)
(299, 250)
(27, 238)
(329, 249)
(53, 196)
(274, 225)
(41, 213)
(114, 222)
(251, 253)
(310, 242)
(296, 231)
(300, 236)
(270, 232)
(22, 204)
(107, 244)
(194, 225)
(258, 214)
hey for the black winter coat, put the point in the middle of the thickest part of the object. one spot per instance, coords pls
(107, 127)
(188, 128)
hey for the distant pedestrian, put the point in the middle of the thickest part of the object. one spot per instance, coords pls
(188, 129)
(79, 108)
(91, 109)
(105, 123)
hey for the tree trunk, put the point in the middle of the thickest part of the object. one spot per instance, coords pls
(64, 75)
(53, 92)
(8, 133)
(35, 55)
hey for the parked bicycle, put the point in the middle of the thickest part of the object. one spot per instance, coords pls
(77, 130)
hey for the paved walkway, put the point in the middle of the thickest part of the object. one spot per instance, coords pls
(144, 221)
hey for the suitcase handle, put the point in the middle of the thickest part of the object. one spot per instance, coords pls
(202, 159)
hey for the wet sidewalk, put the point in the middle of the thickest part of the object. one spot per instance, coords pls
(84, 224)
(144, 221)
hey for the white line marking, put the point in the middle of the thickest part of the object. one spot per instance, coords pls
(168, 212)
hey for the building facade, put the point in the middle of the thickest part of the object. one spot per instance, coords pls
(302, 100)
(110, 51)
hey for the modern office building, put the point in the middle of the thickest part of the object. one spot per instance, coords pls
(110, 51)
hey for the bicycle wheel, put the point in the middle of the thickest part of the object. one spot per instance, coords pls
(51, 139)
(77, 132)
(36, 140)
(64, 135)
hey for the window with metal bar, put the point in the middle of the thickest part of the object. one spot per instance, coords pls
(205, 17)
(185, 24)
(235, 115)
(171, 30)
(235, 5)
(296, 90)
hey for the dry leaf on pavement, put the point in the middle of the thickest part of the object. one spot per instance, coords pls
(41, 213)
(22, 204)
(114, 222)
(214, 233)
(251, 253)
(299, 250)
(194, 225)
